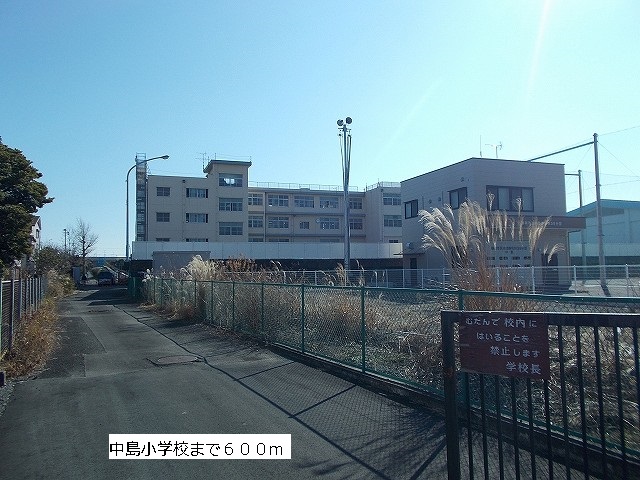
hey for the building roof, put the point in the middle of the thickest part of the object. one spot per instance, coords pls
(609, 207)
(211, 163)
(482, 159)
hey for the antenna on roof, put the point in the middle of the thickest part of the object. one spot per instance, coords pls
(497, 146)
(480, 146)
(204, 159)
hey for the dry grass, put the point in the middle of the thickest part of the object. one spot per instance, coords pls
(468, 238)
(33, 342)
(36, 335)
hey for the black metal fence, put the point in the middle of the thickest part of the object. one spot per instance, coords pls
(583, 421)
(19, 299)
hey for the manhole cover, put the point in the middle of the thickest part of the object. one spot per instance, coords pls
(177, 359)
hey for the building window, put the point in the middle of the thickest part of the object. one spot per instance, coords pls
(457, 197)
(355, 203)
(197, 193)
(204, 240)
(392, 221)
(330, 240)
(162, 239)
(255, 221)
(329, 223)
(230, 228)
(510, 199)
(391, 199)
(328, 202)
(278, 222)
(255, 199)
(230, 204)
(411, 209)
(230, 180)
(279, 240)
(196, 218)
(256, 239)
(303, 201)
(394, 240)
(356, 224)
(163, 191)
(304, 225)
(277, 200)
(163, 216)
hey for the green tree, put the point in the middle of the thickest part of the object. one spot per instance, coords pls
(21, 195)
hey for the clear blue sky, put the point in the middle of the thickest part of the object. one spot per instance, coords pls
(85, 85)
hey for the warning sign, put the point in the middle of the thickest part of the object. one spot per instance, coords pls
(505, 343)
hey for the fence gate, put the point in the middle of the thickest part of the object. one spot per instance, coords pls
(541, 395)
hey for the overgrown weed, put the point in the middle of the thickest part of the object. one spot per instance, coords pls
(36, 335)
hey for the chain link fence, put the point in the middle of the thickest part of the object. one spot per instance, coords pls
(592, 395)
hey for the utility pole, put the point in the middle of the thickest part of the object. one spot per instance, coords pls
(601, 259)
(582, 240)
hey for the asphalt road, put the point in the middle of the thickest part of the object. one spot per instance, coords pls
(108, 376)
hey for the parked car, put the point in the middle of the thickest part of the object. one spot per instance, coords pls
(105, 277)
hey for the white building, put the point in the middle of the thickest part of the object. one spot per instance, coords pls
(221, 216)
(539, 188)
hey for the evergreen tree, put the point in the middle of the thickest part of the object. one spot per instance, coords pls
(21, 195)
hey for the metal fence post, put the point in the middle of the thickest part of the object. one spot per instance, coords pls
(533, 279)
(19, 316)
(302, 316)
(212, 301)
(12, 313)
(363, 330)
(626, 274)
(1, 299)
(262, 308)
(450, 403)
(233, 305)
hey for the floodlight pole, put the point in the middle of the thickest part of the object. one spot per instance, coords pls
(345, 134)
(163, 157)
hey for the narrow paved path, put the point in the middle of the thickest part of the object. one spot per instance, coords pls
(107, 376)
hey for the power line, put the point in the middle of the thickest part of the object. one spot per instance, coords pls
(610, 153)
(619, 131)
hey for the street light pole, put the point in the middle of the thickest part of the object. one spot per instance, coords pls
(163, 157)
(345, 134)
